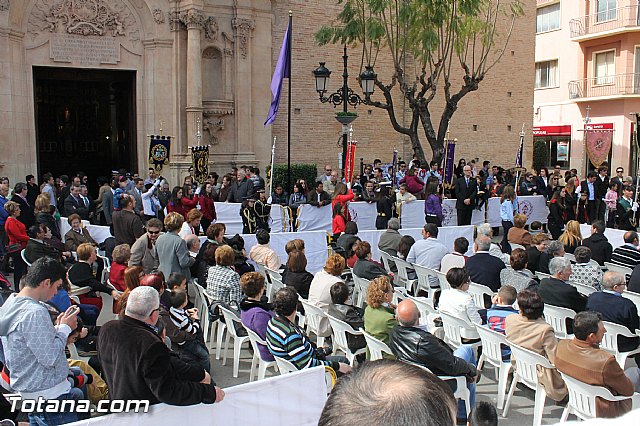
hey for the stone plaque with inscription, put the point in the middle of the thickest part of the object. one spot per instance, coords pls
(84, 50)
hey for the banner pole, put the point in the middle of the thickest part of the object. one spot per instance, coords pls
(273, 157)
(288, 113)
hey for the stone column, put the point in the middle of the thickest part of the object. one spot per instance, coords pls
(194, 20)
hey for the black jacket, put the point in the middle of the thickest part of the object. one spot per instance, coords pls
(485, 269)
(557, 293)
(634, 281)
(534, 258)
(36, 249)
(50, 221)
(301, 281)
(368, 269)
(73, 205)
(618, 310)
(417, 346)
(353, 316)
(27, 216)
(601, 187)
(81, 275)
(600, 248)
(312, 198)
(240, 190)
(138, 365)
(463, 192)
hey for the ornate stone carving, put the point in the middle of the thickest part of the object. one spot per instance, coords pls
(210, 53)
(243, 29)
(192, 18)
(158, 16)
(4, 5)
(228, 44)
(211, 127)
(81, 17)
(174, 21)
(211, 28)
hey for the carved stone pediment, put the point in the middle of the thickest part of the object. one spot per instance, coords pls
(95, 18)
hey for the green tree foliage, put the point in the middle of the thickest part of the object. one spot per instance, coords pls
(540, 154)
(308, 172)
(434, 45)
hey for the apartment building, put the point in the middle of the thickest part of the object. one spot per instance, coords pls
(587, 83)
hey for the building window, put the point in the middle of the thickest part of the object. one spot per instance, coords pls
(606, 10)
(605, 67)
(551, 150)
(548, 18)
(546, 74)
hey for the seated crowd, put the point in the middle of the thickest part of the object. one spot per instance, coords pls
(154, 348)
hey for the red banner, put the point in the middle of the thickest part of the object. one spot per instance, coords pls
(598, 142)
(348, 167)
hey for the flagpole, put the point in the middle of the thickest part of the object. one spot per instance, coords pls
(273, 161)
(289, 108)
(520, 149)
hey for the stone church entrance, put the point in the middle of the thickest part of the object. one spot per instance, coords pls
(85, 121)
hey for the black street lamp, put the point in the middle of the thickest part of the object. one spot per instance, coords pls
(345, 96)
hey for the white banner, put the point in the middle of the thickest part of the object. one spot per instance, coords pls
(311, 218)
(229, 214)
(364, 214)
(412, 214)
(534, 206)
(294, 399)
(446, 235)
(615, 236)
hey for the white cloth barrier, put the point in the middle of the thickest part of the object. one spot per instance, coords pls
(446, 235)
(315, 246)
(229, 214)
(533, 206)
(615, 236)
(98, 233)
(412, 214)
(311, 218)
(294, 399)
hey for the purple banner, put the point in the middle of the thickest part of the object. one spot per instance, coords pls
(449, 162)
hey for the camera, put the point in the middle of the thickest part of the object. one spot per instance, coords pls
(323, 353)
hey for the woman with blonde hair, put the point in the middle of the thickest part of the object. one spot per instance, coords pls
(571, 238)
(44, 215)
(320, 288)
(379, 315)
(571, 198)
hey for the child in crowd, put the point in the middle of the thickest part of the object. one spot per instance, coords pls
(583, 207)
(535, 227)
(187, 320)
(611, 200)
(501, 308)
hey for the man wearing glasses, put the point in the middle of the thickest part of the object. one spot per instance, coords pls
(138, 365)
(402, 171)
(619, 179)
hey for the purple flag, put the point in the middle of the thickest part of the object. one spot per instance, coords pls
(449, 162)
(282, 71)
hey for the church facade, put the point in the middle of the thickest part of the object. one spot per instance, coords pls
(83, 83)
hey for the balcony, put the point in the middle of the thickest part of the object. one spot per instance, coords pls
(603, 24)
(609, 87)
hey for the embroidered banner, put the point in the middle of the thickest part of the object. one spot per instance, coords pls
(449, 162)
(159, 151)
(200, 158)
(598, 143)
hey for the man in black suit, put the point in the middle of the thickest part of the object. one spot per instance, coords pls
(589, 187)
(319, 197)
(74, 204)
(602, 186)
(557, 291)
(26, 209)
(466, 191)
(36, 248)
(615, 308)
(598, 243)
(483, 267)
(32, 189)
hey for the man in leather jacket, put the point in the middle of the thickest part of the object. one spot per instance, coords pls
(413, 344)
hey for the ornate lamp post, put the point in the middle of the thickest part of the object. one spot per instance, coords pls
(345, 96)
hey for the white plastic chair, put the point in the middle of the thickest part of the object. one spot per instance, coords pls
(106, 313)
(256, 342)
(284, 366)
(340, 329)
(230, 317)
(360, 287)
(583, 288)
(444, 284)
(634, 297)
(312, 317)
(517, 246)
(461, 392)
(477, 293)
(386, 261)
(399, 294)
(452, 330)
(557, 318)
(403, 274)
(610, 341)
(376, 346)
(570, 256)
(526, 372)
(276, 285)
(492, 355)
(273, 274)
(425, 277)
(24, 257)
(582, 398)
(618, 268)
(542, 275)
(424, 305)
(106, 267)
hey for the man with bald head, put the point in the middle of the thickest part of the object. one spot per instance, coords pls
(410, 342)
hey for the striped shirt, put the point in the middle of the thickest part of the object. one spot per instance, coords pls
(627, 255)
(286, 340)
(181, 320)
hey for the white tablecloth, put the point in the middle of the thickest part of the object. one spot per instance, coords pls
(534, 206)
(615, 236)
(412, 214)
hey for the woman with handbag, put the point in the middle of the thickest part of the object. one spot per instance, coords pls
(18, 238)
